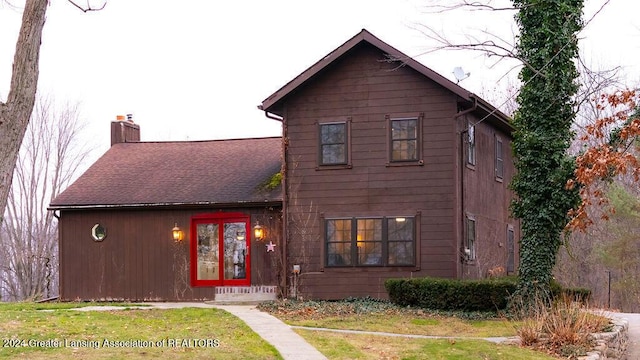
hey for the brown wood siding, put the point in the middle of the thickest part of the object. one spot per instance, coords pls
(139, 261)
(363, 87)
(488, 200)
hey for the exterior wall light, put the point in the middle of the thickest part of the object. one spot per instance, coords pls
(177, 233)
(258, 231)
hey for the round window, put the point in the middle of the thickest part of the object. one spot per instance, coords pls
(98, 232)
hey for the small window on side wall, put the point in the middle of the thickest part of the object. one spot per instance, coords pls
(405, 141)
(511, 252)
(499, 160)
(470, 239)
(333, 143)
(471, 144)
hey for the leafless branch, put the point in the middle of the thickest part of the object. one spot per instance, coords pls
(88, 7)
(502, 49)
(596, 13)
(469, 5)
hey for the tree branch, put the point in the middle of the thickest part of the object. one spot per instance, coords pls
(471, 6)
(88, 7)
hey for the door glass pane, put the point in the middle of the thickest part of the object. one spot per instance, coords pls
(208, 235)
(235, 250)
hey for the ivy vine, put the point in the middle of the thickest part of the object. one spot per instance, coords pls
(548, 46)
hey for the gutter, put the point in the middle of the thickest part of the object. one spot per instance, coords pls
(270, 115)
(162, 205)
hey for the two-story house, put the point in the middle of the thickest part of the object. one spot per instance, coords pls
(390, 170)
(385, 169)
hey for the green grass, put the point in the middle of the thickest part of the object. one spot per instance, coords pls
(413, 324)
(381, 316)
(85, 333)
(339, 346)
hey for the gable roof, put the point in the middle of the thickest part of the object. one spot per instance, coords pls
(141, 174)
(273, 104)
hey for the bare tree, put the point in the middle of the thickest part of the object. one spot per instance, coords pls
(48, 159)
(16, 110)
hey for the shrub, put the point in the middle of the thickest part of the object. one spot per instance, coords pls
(466, 295)
(448, 294)
(581, 295)
(564, 328)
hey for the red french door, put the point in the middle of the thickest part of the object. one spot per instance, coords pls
(220, 249)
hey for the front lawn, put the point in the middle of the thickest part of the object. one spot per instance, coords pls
(382, 316)
(339, 346)
(51, 331)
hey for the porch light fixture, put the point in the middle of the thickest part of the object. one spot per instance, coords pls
(258, 231)
(177, 233)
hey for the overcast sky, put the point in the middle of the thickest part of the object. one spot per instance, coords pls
(197, 69)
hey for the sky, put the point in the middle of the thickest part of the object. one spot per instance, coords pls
(198, 69)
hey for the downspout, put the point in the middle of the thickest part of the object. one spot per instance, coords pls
(60, 255)
(284, 199)
(462, 166)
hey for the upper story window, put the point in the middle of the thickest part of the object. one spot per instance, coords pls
(471, 144)
(405, 139)
(499, 160)
(334, 143)
(386, 241)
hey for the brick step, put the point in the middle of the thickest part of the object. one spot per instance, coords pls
(245, 294)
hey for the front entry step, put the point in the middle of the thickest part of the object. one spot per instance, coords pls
(245, 294)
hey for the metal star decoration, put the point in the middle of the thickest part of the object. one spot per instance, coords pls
(271, 246)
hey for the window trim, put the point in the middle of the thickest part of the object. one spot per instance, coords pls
(384, 241)
(499, 159)
(389, 118)
(342, 165)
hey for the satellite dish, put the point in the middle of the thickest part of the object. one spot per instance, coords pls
(460, 74)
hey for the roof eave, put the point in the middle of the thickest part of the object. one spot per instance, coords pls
(270, 103)
(502, 120)
(164, 205)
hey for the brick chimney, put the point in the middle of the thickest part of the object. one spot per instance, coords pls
(123, 131)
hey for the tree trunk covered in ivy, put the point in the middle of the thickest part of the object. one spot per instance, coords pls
(548, 46)
(16, 111)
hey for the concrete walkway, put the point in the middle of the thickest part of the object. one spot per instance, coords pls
(280, 335)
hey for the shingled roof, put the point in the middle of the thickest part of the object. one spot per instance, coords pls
(140, 174)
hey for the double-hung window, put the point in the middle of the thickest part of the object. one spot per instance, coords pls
(333, 143)
(384, 241)
(405, 139)
(470, 240)
(499, 160)
(511, 252)
(471, 144)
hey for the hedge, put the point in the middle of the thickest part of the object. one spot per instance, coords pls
(463, 295)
